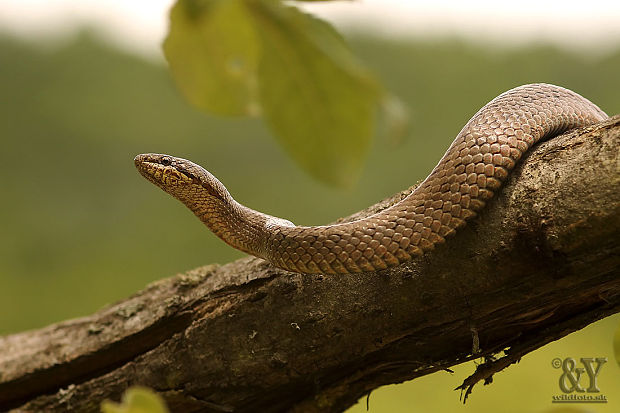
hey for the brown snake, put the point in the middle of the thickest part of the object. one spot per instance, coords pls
(467, 176)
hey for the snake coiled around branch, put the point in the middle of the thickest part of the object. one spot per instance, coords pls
(464, 180)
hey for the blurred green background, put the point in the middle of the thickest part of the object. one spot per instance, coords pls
(81, 228)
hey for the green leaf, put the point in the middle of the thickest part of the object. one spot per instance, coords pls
(318, 100)
(245, 57)
(213, 54)
(136, 400)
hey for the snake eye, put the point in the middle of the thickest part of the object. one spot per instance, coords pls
(166, 161)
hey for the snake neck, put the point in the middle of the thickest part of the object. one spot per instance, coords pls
(239, 226)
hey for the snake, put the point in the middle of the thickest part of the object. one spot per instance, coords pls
(468, 175)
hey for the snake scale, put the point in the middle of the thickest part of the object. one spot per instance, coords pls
(467, 176)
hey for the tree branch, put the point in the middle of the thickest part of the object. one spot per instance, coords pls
(539, 263)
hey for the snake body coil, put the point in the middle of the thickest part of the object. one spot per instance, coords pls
(467, 176)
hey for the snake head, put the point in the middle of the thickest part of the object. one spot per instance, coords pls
(179, 177)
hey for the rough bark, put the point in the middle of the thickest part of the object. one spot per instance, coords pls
(540, 262)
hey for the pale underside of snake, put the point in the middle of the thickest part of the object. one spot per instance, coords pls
(464, 180)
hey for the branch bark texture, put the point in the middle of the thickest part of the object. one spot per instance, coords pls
(540, 262)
